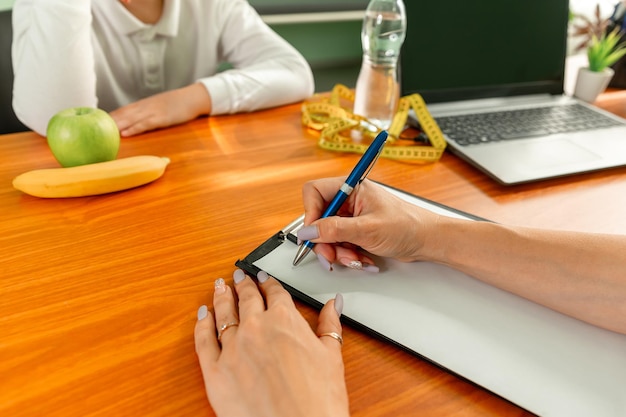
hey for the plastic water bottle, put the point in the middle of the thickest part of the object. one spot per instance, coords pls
(377, 91)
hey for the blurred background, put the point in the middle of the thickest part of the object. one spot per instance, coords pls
(327, 33)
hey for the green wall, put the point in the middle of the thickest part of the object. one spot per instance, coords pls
(333, 47)
(299, 6)
(333, 50)
(6, 4)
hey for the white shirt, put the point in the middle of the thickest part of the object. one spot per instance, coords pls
(69, 53)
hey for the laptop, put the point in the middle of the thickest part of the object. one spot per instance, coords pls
(479, 63)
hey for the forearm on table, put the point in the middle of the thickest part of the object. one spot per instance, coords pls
(267, 70)
(197, 100)
(260, 86)
(581, 275)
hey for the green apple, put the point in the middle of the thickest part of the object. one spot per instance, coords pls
(83, 135)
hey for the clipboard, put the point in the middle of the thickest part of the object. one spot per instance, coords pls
(543, 361)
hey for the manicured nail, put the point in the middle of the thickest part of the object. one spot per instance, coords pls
(220, 286)
(262, 276)
(324, 262)
(350, 263)
(238, 276)
(371, 268)
(203, 311)
(338, 303)
(308, 233)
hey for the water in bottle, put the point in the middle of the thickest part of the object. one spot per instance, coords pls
(377, 90)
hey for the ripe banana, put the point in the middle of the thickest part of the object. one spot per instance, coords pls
(92, 179)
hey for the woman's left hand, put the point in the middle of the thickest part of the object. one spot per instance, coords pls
(260, 357)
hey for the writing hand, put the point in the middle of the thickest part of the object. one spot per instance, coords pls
(372, 219)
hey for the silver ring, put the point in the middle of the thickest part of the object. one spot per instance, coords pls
(223, 328)
(335, 336)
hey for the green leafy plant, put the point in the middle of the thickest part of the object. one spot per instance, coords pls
(605, 50)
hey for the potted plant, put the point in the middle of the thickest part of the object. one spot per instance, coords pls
(603, 50)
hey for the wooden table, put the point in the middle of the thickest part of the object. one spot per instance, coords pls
(98, 295)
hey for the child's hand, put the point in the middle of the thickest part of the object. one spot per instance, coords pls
(162, 110)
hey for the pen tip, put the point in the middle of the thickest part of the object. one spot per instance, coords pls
(303, 250)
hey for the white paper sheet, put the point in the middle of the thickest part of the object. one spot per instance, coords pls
(544, 361)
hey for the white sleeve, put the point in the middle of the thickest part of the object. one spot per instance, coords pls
(267, 72)
(52, 59)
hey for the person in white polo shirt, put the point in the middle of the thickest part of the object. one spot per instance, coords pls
(150, 63)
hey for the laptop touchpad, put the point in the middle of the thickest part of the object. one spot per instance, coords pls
(552, 153)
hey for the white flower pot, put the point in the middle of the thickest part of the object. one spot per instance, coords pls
(590, 84)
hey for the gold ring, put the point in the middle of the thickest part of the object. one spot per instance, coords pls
(223, 328)
(334, 335)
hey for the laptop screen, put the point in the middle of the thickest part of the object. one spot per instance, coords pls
(469, 49)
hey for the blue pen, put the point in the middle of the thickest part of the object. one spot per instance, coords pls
(357, 175)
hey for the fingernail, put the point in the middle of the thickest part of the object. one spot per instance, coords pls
(324, 262)
(308, 233)
(238, 276)
(351, 263)
(220, 286)
(371, 268)
(203, 311)
(262, 276)
(338, 303)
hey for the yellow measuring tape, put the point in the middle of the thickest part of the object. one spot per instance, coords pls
(333, 118)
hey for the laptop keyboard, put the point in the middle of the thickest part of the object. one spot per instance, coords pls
(515, 124)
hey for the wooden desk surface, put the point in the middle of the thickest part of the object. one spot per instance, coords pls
(98, 295)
